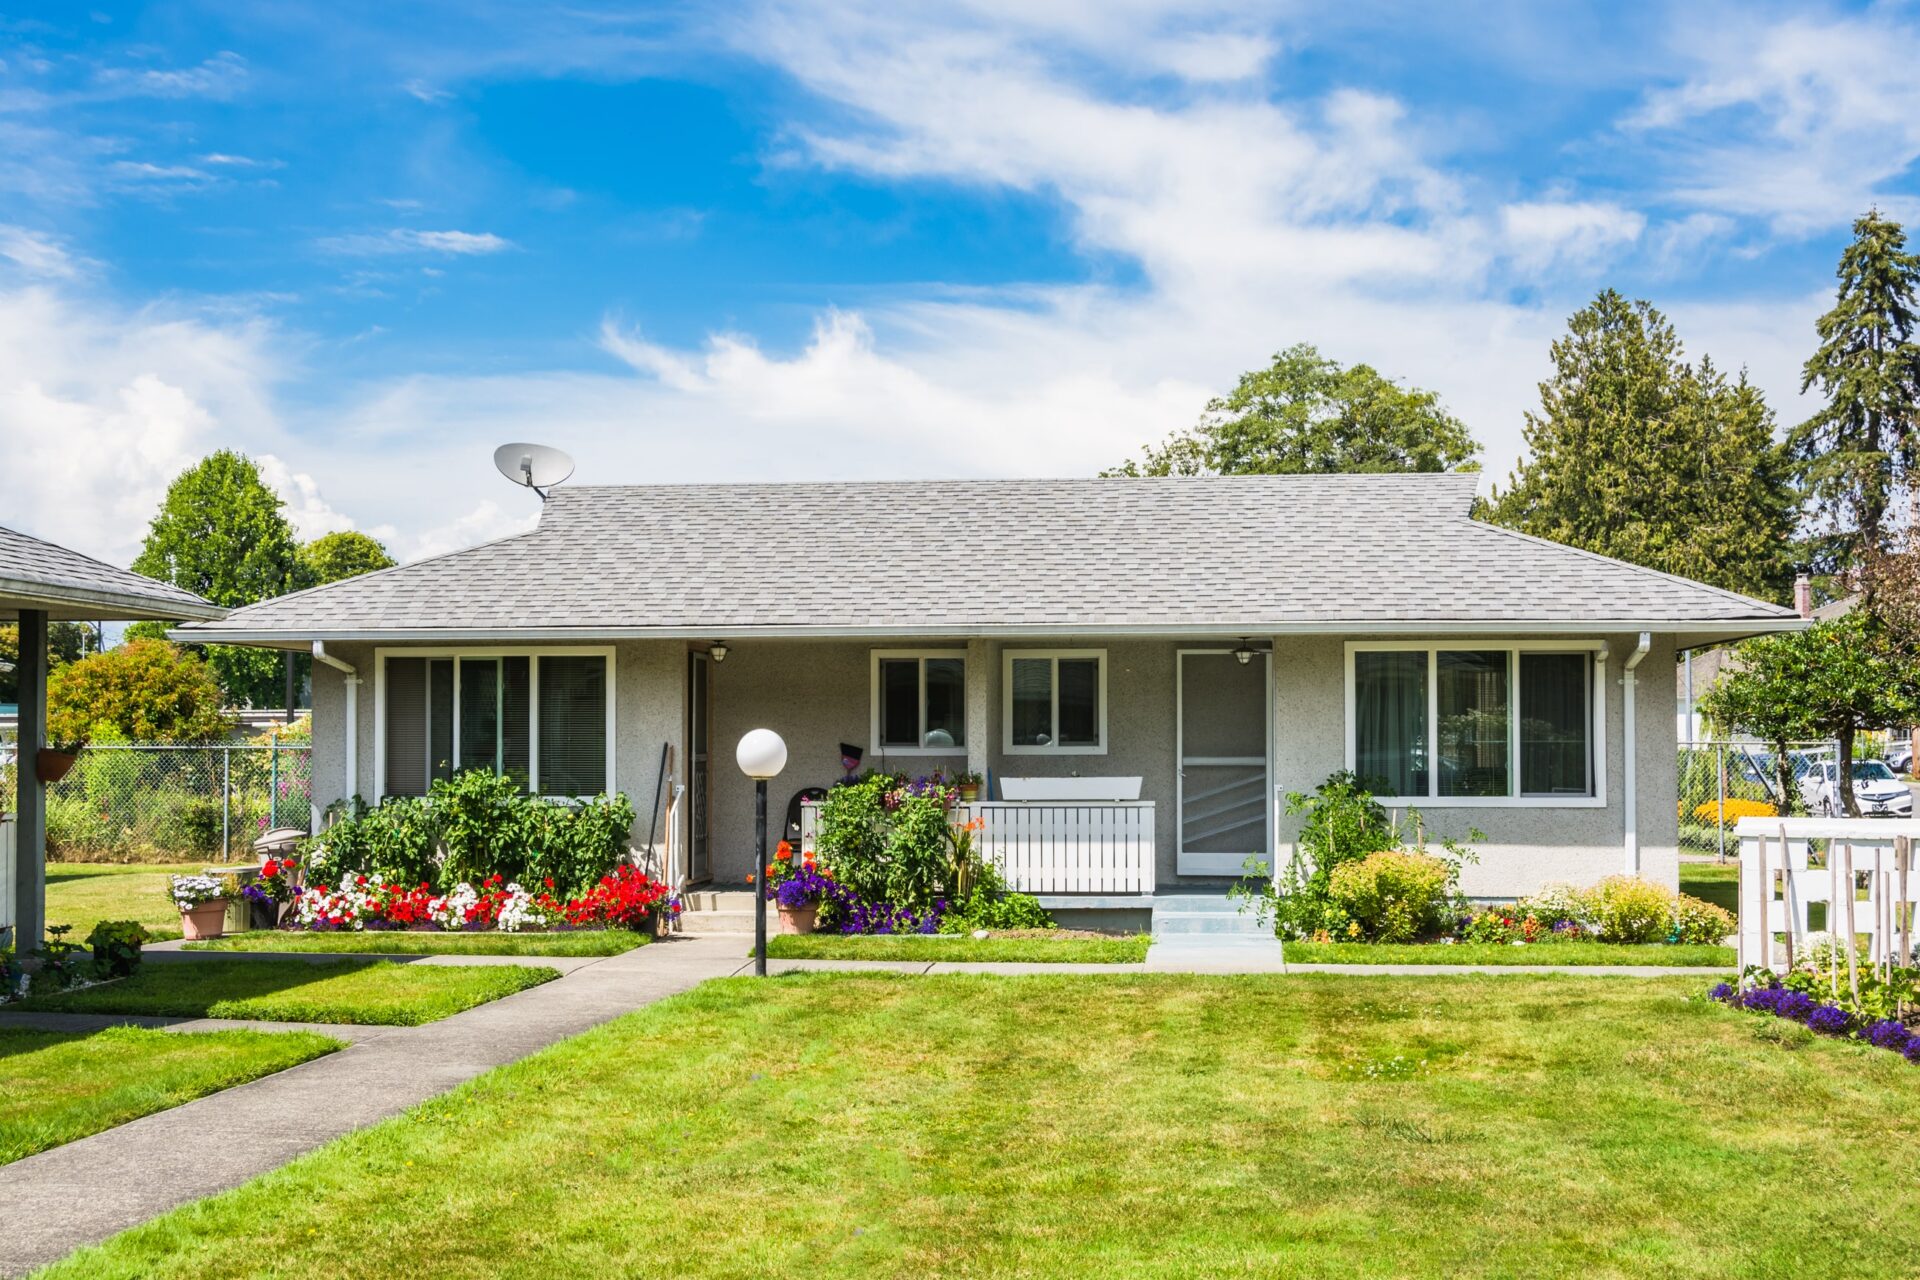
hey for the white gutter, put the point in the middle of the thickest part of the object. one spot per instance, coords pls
(320, 654)
(1631, 798)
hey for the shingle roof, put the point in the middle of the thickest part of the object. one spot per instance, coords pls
(1248, 554)
(35, 574)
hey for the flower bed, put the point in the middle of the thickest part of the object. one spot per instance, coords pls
(627, 898)
(1820, 1017)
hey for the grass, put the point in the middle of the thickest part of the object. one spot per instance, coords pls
(84, 893)
(1124, 1125)
(1069, 950)
(56, 1086)
(361, 991)
(1585, 954)
(582, 942)
(1712, 882)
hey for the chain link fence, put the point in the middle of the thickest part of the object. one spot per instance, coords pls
(161, 803)
(1723, 782)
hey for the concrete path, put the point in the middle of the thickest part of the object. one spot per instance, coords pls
(88, 1190)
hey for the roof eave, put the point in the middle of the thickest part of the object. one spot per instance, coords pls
(103, 606)
(1698, 630)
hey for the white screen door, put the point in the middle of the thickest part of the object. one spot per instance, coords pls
(1225, 721)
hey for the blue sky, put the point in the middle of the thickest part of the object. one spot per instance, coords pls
(367, 242)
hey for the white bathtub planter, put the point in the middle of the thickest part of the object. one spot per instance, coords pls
(203, 906)
(1070, 788)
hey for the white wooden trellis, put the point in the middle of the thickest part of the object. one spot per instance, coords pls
(1779, 884)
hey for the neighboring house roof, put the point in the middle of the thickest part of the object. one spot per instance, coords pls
(35, 574)
(1252, 555)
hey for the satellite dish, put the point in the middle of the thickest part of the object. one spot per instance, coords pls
(537, 466)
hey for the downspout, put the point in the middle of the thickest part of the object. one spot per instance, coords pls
(320, 654)
(1630, 760)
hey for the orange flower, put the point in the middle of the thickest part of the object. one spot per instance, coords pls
(783, 851)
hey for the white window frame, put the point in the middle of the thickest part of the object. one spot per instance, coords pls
(533, 654)
(873, 701)
(1596, 709)
(1007, 745)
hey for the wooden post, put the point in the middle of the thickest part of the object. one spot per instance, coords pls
(1787, 906)
(1853, 966)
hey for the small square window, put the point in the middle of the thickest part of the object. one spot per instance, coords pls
(920, 702)
(1056, 702)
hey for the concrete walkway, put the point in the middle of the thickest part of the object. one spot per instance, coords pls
(87, 1190)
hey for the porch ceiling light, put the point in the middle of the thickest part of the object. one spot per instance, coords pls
(717, 651)
(1244, 654)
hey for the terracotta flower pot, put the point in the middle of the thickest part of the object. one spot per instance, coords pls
(206, 920)
(800, 919)
(50, 766)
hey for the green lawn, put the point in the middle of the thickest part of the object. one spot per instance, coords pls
(56, 1086)
(366, 991)
(1580, 953)
(582, 942)
(1122, 1125)
(1712, 882)
(1080, 950)
(84, 893)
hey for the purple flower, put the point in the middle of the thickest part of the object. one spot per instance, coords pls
(1723, 992)
(1912, 1050)
(1887, 1034)
(1829, 1020)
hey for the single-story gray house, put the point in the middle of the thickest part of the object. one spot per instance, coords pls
(1142, 668)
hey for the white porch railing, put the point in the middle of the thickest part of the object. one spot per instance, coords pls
(1078, 847)
(1779, 884)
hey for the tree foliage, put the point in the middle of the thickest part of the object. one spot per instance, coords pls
(145, 691)
(1305, 414)
(1833, 680)
(220, 534)
(1859, 451)
(66, 642)
(347, 554)
(1638, 455)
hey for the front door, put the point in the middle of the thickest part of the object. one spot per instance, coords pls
(699, 779)
(1225, 789)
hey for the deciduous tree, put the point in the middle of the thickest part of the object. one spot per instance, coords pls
(143, 691)
(1305, 414)
(347, 554)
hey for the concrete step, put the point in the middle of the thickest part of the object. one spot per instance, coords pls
(1216, 942)
(1196, 903)
(729, 922)
(719, 900)
(1211, 923)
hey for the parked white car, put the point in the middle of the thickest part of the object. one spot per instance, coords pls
(1876, 789)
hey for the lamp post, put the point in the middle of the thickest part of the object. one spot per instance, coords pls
(761, 755)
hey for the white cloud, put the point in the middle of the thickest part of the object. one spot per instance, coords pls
(407, 240)
(1570, 235)
(37, 254)
(1801, 122)
(218, 77)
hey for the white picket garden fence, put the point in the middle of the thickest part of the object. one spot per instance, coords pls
(1780, 883)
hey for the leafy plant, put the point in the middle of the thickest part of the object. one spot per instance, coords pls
(143, 691)
(1393, 895)
(989, 904)
(1629, 909)
(116, 946)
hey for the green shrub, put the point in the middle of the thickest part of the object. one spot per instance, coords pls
(1700, 923)
(989, 904)
(889, 842)
(1629, 909)
(116, 947)
(1393, 895)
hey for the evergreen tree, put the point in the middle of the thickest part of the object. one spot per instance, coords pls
(1638, 455)
(1858, 452)
(1305, 413)
(220, 534)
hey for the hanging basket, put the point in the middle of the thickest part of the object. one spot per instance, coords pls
(50, 766)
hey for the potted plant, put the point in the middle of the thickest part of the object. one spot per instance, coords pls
(116, 947)
(269, 891)
(203, 906)
(54, 760)
(969, 784)
(796, 888)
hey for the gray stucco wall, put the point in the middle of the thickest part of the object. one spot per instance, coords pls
(817, 694)
(1524, 847)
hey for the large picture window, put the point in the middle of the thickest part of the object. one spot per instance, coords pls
(920, 701)
(1474, 724)
(1056, 702)
(543, 720)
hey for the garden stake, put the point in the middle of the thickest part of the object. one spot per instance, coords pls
(1853, 943)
